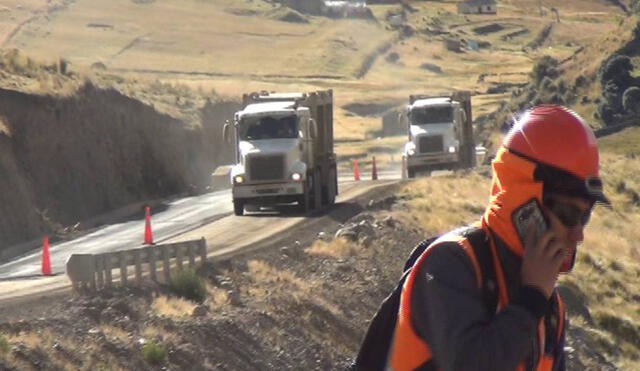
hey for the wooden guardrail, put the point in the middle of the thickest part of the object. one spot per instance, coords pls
(94, 271)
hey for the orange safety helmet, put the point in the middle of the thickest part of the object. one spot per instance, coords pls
(563, 144)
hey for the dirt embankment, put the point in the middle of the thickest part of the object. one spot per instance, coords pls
(66, 159)
(303, 304)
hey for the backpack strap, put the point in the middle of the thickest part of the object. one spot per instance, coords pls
(417, 251)
(480, 243)
(377, 341)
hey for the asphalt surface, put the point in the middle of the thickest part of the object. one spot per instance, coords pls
(173, 219)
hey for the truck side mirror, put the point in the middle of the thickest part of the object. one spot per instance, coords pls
(313, 129)
(226, 132)
(403, 118)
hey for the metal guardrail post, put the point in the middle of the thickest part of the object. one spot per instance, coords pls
(138, 264)
(123, 267)
(108, 265)
(151, 259)
(167, 268)
(192, 256)
(179, 253)
(100, 270)
(202, 246)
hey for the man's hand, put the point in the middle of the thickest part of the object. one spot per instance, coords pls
(542, 259)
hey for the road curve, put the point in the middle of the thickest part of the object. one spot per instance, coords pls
(207, 216)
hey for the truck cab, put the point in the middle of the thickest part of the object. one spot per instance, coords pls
(440, 134)
(278, 159)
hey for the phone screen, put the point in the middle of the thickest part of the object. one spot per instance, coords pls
(527, 214)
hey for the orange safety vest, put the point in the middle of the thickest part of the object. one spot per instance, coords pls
(410, 352)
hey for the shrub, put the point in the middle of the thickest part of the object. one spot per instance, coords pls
(631, 100)
(154, 353)
(545, 67)
(187, 284)
(556, 99)
(616, 69)
(621, 328)
(605, 113)
(580, 81)
(547, 84)
(4, 344)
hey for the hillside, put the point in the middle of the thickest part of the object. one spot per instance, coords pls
(303, 302)
(108, 103)
(189, 74)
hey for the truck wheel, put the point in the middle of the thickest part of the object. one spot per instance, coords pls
(238, 207)
(317, 190)
(331, 188)
(305, 200)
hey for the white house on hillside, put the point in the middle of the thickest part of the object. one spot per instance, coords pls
(478, 7)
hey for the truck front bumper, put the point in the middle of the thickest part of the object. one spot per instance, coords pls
(419, 160)
(271, 190)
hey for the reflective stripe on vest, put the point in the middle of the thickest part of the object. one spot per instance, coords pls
(410, 352)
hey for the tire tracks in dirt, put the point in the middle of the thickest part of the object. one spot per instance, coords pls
(224, 74)
(131, 44)
(53, 6)
(371, 58)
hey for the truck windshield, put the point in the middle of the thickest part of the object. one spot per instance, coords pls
(431, 115)
(268, 127)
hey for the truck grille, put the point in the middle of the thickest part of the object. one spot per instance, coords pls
(431, 144)
(265, 167)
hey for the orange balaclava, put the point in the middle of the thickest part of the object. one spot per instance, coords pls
(512, 186)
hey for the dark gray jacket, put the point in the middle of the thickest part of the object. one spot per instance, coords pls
(450, 313)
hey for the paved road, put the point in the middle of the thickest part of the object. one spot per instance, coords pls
(176, 218)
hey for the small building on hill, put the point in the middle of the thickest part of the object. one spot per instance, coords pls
(478, 7)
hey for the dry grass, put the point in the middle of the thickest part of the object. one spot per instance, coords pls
(115, 332)
(217, 298)
(173, 307)
(440, 203)
(159, 334)
(271, 283)
(267, 274)
(4, 128)
(607, 272)
(30, 339)
(336, 248)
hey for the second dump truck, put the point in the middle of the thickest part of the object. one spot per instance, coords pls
(440, 133)
(284, 150)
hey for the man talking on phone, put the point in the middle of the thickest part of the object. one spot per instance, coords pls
(484, 298)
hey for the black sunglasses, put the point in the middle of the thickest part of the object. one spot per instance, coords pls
(569, 214)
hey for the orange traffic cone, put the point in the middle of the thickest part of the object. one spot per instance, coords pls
(46, 258)
(356, 170)
(148, 234)
(374, 170)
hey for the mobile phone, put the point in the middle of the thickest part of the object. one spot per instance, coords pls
(529, 213)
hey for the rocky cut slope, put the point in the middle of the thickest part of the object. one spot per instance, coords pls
(65, 159)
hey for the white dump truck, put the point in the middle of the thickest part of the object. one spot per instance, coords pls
(440, 133)
(284, 150)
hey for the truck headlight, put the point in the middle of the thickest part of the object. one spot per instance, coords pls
(411, 152)
(452, 149)
(296, 177)
(238, 179)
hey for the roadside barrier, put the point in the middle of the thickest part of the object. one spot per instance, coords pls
(94, 271)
